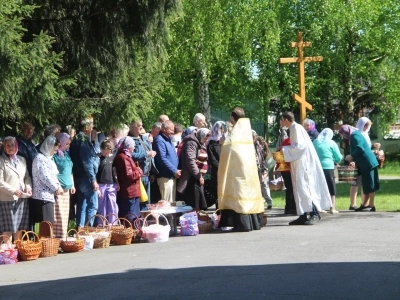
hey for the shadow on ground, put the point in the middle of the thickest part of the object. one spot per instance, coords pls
(358, 280)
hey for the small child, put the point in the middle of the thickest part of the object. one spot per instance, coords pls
(379, 154)
(108, 184)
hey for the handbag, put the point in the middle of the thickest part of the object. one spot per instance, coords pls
(143, 194)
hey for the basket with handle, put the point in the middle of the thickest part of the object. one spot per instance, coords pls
(204, 222)
(99, 227)
(50, 244)
(156, 232)
(27, 249)
(276, 182)
(102, 236)
(122, 236)
(72, 244)
(8, 252)
(137, 225)
(112, 224)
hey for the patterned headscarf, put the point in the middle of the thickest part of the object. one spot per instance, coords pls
(63, 138)
(202, 133)
(13, 157)
(125, 144)
(312, 125)
(346, 131)
(216, 131)
(325, 135)
(47, 146)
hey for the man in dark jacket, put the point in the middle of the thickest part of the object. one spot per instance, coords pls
(166, 162)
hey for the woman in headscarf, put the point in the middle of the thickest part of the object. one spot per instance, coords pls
(14, 181)
(193, 162)
(64, 165)
(328, 154)
(128, 176)
(362, 155)
(46, 186)
(309, 126)
(239, 191)
(364, 126)
(213, 152)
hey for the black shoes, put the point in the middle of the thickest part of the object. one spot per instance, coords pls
(353, 207)
(372, 208)
(269, 207)
(363, 208)
(300, 221)
(306, 220)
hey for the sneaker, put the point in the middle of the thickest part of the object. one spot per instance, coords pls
(312, 220)
(269, 207)
(300, 221)
(372, 208)
(363, 208)
(353, 207)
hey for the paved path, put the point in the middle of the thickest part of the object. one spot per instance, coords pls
(346, 256)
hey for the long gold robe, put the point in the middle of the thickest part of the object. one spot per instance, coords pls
(238, 183)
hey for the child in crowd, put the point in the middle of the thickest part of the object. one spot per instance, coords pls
(108, 183)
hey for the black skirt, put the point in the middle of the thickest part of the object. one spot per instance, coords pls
(240, 222)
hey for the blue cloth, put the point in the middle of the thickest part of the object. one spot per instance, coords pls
(128, 208)
(64, 166)
(84, 158)
(166, 159)
(361, 152)
(142, 146)
(27, 150)
(87, 202)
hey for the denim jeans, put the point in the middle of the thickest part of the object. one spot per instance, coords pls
(87, 202)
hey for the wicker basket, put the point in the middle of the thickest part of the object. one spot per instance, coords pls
(137, 225)
(113, 225)
(207, 225)
(29, 250)
(72, 245)
(50, 244)
(122, 236)
(98, 228)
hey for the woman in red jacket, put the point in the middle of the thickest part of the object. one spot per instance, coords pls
(128, 176)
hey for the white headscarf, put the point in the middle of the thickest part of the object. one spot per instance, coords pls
(360, 126)
(216, 131)
(47, 146)
(202, 133)
(325, 135)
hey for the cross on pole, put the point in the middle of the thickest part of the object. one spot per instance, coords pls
(300, 60)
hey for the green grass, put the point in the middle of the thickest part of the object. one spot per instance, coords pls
(387, 199)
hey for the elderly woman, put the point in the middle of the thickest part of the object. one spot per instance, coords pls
(364, 158)
(309, 126)
(14, 182)
(213, 152)
(328, 154)
(64, 165)
(128, 176)
(193, 162)
(46, 187)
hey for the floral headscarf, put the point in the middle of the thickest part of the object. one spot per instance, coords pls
(346, 131)
(202, 133)
(325, 135)
(312, 125)
(216, 131)
(13, 157)
(125, 144)
(63, 138)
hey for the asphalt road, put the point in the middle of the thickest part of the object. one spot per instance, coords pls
(346, 256)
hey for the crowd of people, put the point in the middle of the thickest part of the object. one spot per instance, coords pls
(80, 174)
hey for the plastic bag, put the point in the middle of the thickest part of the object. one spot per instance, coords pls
(188, 223)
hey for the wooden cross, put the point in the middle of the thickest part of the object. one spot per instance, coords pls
(300, 60)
